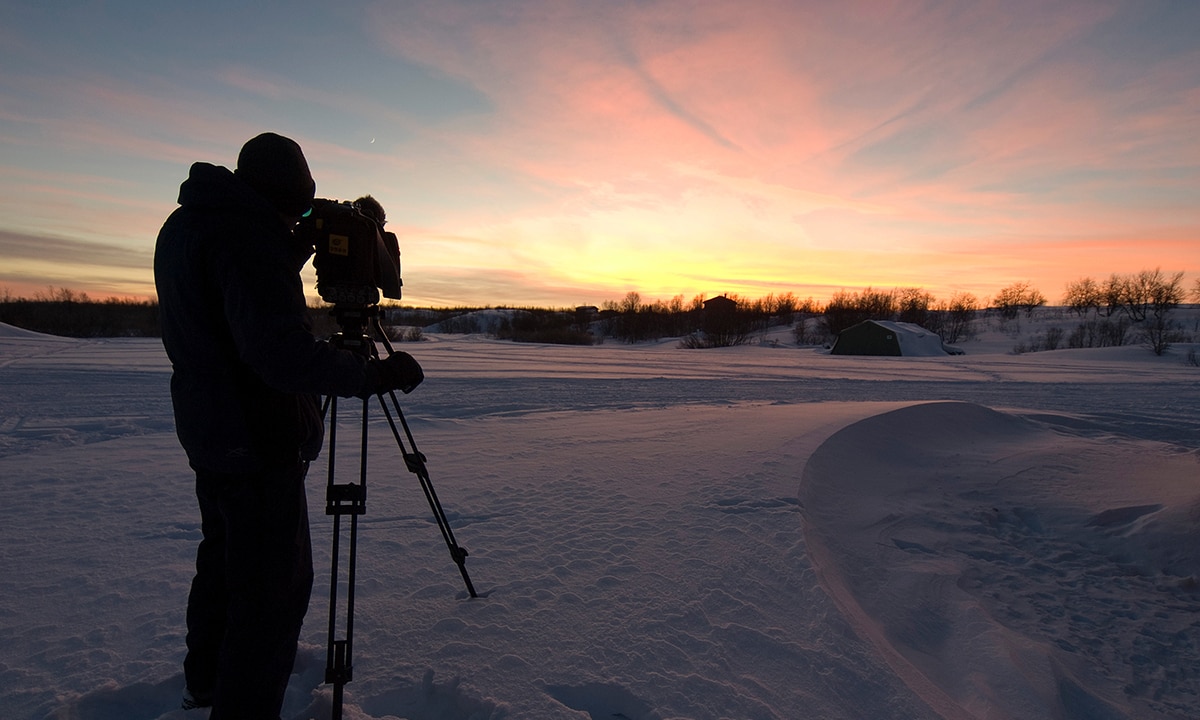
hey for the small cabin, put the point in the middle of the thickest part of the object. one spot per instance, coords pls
(720, 305)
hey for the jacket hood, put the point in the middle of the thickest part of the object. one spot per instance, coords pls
(215, 186)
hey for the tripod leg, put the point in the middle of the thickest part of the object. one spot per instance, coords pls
(331, 405)
(343, 499)
(415, 462)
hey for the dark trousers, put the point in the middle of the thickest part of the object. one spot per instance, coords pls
(253, 579)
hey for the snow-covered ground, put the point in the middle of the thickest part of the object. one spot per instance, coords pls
(752, 532)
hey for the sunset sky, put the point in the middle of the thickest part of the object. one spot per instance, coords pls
(558, 152)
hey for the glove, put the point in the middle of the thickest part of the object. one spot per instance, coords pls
(398, 371)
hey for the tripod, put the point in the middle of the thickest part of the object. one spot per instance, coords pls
(350, 499)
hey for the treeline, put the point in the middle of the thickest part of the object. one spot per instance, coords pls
(1120, 309)
(66, 313)
(729, 320)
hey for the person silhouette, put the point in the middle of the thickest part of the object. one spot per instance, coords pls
(246, 378)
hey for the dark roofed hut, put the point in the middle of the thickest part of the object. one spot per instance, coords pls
(887, 338)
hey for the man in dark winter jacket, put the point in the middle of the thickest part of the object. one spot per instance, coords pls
(247, 375)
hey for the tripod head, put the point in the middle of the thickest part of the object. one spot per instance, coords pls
(354, 325)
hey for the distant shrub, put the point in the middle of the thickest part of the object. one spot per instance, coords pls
(954, 319)
(1050, 339)
(807, 330)
(1159, 333)
(847, 309)
(543, 326)
(465, 324)
(403, 334)
(1100, 332)
(702, 340)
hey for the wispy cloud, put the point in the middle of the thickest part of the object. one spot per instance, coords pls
(32, 263)
(22, 247)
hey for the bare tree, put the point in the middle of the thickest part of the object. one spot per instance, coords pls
(1112, 294)
(1083, 295)
(957, 314)
(1161, 295)
(913, 305)
(631, 303)
(1139, 289)
(841, 312)
(846, 309)
(878, 304)
(1017, 297)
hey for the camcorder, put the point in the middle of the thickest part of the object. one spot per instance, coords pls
(356, 260)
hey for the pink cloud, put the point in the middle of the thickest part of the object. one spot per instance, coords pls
(889, 139)
(783, 92)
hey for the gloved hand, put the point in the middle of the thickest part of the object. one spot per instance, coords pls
(398, 371)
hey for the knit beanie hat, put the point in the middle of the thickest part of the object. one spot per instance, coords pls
(275, 167)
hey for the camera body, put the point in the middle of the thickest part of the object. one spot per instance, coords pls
(356, 261)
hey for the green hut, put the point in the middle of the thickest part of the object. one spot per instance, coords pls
(884, 337)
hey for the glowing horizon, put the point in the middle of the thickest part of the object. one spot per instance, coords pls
(559, 154)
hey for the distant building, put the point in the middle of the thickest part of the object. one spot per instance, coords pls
(884, 337)
(720, 305)
(720, 322)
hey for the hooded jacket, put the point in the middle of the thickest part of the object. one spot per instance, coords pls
(247, 370)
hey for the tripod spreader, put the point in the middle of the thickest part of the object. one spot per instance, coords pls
(348, 499)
